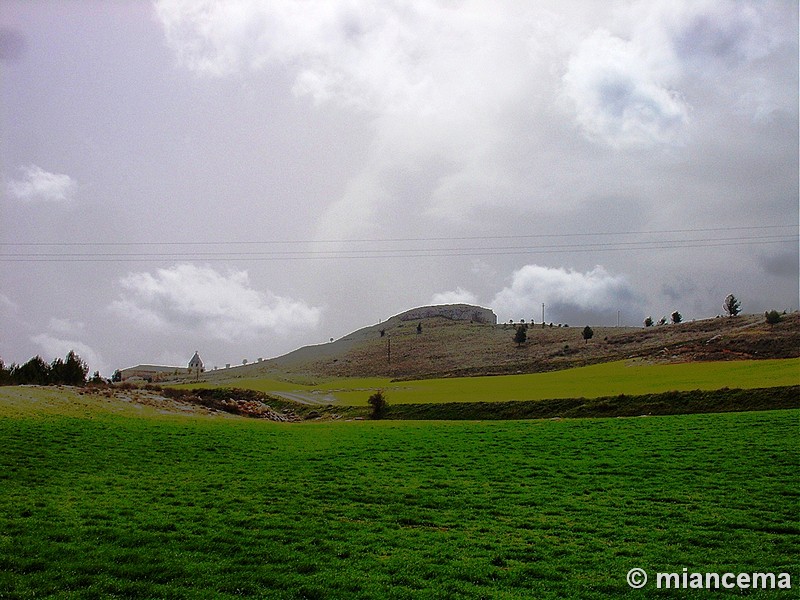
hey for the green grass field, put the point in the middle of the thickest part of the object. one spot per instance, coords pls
(606, 379)
(104, 504)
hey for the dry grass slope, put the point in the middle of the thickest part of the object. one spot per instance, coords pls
(448, 348)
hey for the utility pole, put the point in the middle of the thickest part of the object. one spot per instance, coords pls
(617, 319)
(542, 314)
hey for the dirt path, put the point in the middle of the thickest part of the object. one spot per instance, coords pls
(310, 398)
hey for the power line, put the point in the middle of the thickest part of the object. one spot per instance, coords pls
(406, 239)
(390, 250)
(372, 253)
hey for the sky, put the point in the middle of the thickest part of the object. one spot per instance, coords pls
(243, 177)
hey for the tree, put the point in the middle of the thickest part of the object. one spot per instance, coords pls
(419, 328)
(33, 372)
(5, 373)
(648, 322)
(588, 333)
(36, 371)
(74, 370)
(521, 336)
(57, 370)
(773, 317)
(676, 317)
(71, 371)
(732, 306)
(378, 403)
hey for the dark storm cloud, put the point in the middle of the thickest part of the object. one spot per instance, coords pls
(12, 44)
(784, 264)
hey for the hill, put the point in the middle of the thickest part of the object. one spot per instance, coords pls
(432, 343)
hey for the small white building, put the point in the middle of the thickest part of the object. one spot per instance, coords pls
(153, 373)
(196, 364)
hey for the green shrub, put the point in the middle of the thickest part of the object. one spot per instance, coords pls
(378, 403)
(521, 336)
(773, 317)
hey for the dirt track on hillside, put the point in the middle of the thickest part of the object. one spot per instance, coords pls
(310, 398)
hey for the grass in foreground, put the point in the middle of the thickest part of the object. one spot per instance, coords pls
(607, 379)
(116, 506)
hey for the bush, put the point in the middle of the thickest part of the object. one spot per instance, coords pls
(378, 403)
(521, 336)
(773, 317)
(97, 381)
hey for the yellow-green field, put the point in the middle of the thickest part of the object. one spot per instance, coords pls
(48, 402)
(608, 379)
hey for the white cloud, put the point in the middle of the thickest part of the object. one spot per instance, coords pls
(201, 300)
(438, 82)
(55, 347)
(636, 86)
(456, 296)
(386, 56)
(567, 294)
(619, 98)
(37, 184)
(66, 326)
(705, 34)
(725, 46)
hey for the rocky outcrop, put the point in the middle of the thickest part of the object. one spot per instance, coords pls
(454, 312)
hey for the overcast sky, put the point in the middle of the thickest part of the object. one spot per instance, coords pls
(243, 177)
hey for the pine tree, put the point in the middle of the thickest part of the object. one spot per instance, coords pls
(521, 336)
(75, 370)
(732, 306)
(33, 372)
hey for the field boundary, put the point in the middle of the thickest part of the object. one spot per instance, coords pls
(665, 403)
(264, 406)
(629, 377)
(622, 405)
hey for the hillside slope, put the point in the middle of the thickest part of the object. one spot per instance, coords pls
(447, 347)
